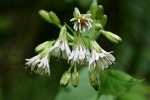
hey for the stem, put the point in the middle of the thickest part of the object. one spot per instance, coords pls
(69, 28)
(70, 37)
(70, 68)
(59, 25)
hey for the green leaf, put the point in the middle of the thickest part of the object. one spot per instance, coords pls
(114, 82)
(45, 15)
(106, 97)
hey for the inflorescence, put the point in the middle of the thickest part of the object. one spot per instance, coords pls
(79, 48)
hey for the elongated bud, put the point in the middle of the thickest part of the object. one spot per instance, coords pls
(100, 11)
(93, 10)
(65, 79)
(112, 37)
(94, 80)
(103, 20)
(41, 46)
(75, 78)
(45, 15)
(54, 18)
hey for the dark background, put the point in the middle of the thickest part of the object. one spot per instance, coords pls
(22, 29)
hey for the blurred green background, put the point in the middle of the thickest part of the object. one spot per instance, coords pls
(22, 29)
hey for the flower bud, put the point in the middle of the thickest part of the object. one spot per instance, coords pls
(94, 80)
(100, 11)
(65, 79)
(75, 79)
(103, 20)
(98, 26)
(41, 46)
(93, 9)
(112, 37)
(54, 18)
(44, 14)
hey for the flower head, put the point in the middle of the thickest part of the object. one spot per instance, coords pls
(100, 57)
(61, 48)
(82, 22)
(39, 65)
(80, 55)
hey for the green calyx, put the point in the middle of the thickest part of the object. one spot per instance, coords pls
(44, 45)
(94, 79)
(94, 45)
(75, 78)
(65, 79)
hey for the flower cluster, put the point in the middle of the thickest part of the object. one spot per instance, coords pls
(79, 48)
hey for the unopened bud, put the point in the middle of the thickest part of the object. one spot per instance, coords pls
(103, 20)
(100, 11)
(94, 80)
(75, 79)
(41, 46)
(44, 14)
(65, 79)
(112, 37)
(98, 27)
(54, 18)
(93, 9)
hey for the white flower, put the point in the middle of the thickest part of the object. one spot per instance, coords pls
(80, 55)
(82, 22)
(39, 65)
(101, 59)
(60, 48)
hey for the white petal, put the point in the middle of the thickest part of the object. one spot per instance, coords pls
(68, 51)
(77, 11)
(63, 46)
(73, 19)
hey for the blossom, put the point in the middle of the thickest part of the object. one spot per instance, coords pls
(60, 48)
(82, 22)
(39, 65)
(102, 59)
(80, 55)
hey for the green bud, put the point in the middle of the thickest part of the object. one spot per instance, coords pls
(99, 12)
(41, 46)
(65, 79)
(94, 80)
(44, 14)
(93, 10)
(75, 79)
(103, 20)
(98, 27)
(54, 18)
(112, 37)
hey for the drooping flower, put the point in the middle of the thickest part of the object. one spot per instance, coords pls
(39, 64)
(82, 22)
(61, 47)
(100, 58)
(80, 55)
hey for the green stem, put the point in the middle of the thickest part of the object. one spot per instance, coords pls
(59, 25)
(69, 28)
(70, 37)
(70, 68)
